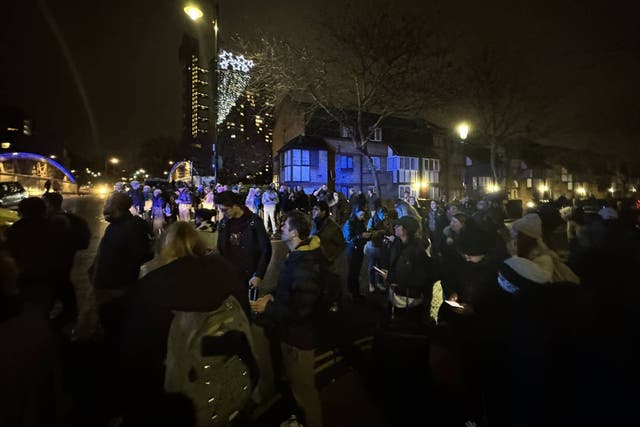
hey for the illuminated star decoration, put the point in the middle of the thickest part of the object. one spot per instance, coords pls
(233, 80)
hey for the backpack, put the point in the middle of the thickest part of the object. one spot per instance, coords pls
(210, 360)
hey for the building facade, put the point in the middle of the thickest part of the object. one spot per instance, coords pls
(195, 106)
(402, 153)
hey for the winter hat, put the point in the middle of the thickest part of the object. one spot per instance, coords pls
(461, 216)
(473, 240)
(530, 225)
(157, 192)
(119, 186)
(135, 185)
(146, 188)
(608, 213)
(409, 223)
(518, 273)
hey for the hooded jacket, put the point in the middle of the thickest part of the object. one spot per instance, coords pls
(293, 309)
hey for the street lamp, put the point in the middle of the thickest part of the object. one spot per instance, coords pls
(195, 14)
(463, 131)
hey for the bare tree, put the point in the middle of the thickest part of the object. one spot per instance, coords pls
(359, 68)
(506, 103)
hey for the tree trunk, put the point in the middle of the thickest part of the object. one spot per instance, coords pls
(372, 168)
(493, 160)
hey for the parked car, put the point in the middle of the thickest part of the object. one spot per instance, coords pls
(11, 194)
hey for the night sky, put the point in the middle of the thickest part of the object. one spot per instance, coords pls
(126, 56)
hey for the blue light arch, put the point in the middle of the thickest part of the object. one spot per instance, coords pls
(38, 158)
(175, 166)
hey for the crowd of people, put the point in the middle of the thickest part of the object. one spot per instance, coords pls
(191, 335)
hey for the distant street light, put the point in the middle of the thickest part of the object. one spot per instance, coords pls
(113, 160)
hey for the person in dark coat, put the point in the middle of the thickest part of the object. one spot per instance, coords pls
(125, 246)
(75, 235)
(331, 240)
(300, 200)
(242, 238)
(33, 241)
(468, 313)
(411, 272)
(187, 280)
(291, 311)
(355, 235)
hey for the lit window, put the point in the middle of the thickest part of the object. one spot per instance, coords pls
(346, 162)
(6, 145)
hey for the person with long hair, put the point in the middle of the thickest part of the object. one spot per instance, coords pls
(188, 279)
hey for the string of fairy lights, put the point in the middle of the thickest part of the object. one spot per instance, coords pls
(233, 80)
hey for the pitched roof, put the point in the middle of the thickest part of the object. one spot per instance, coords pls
(307, 142)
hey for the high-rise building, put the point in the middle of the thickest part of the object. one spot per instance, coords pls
(195, 116)
(245, 139)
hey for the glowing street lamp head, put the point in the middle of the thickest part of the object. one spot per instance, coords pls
(114, 160)
(463, 130)
(193, 12)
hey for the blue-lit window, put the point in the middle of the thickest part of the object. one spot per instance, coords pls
(346, 162)
(297, 165)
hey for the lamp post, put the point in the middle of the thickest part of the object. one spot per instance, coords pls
(195, 14)
(463, 132)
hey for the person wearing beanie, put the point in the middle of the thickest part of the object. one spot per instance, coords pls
(469, 279)
(411, 273)
(467, 316)
(539, 376)
(517, 273)
(526, 235)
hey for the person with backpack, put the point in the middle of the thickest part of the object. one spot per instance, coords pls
(291, 311)
(187, 331)
(74, 236)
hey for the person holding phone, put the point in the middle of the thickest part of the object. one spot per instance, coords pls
(290, 312)
(411, 272)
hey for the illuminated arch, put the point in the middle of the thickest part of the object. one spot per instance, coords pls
(38, 158)
(185, 163)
